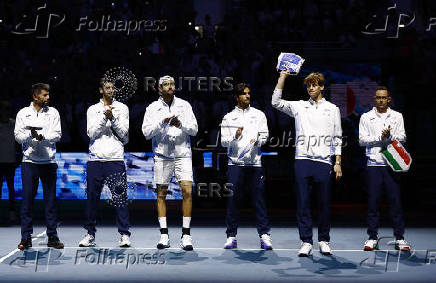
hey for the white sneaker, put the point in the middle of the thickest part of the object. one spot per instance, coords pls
(402, 245)
(231, 243)
(186, 242)
(124, 241)
(88, 241)
(164, 242)
(305, 250)
(370, 245)
(266, 242)
(324, 248)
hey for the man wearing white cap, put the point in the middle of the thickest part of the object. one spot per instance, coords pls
(169, 122)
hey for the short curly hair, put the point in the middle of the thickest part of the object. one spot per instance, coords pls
(315, 79)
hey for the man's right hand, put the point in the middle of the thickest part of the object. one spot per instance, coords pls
(238, 132)
(35, 135)
(285, 73)
(386, 133)
(166, 120)
(281, 81)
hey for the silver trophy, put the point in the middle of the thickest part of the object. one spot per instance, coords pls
(290, 61)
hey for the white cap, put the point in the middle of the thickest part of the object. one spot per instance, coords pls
(164, 79)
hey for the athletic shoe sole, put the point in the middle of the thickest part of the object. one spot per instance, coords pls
(83, 246)
(162, 246)
(406, 249)
(56, 246)
(369, 249)
(233, 245)
(187, 248)
(265, 247)
(230, 247)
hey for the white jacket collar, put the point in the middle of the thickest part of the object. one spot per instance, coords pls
(102, 102)
(239, 110)
(388, 112)
(43, 109)
(311, 101)
(164, 103)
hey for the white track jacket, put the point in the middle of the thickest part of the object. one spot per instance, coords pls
(107, 137)
(242, 151)
(318, 127)
(47, 123)
(169, 141)
(371, 126)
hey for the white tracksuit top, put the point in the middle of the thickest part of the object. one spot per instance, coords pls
(169, 141)
(371, 125)
(318, 127)
(107, 137)
(34, 151)
(241, 151)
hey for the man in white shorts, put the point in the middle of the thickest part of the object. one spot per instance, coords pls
(169, 122)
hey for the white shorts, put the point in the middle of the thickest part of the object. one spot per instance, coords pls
(164, 169)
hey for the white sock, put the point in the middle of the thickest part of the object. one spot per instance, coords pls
(162, 222)
(186, 222)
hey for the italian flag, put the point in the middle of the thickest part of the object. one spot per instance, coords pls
(397, 156)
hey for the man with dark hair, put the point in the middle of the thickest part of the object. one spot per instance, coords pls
(37, 129)
(108, 131)
(38, 87)
(378, 128)
(170, 122)
(243, 131)
(318, 139)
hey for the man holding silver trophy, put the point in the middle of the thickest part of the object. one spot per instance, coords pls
(317, 119)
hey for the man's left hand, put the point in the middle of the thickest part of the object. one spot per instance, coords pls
(108, 113)
(175, 122)
(338, 170)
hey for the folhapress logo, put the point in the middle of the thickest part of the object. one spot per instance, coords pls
(393, 22)
(42, 24)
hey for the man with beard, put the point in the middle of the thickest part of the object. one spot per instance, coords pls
(170, 122)
(243, 131)
(37, 129)
(108, 131)
(377, 128)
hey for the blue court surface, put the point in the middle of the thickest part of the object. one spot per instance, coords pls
(209, 262)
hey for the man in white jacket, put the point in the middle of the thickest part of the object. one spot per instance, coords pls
(170, 122)
(37, 129)
(318, 141)
(243, 131)
(377, 128)
(108, 131)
